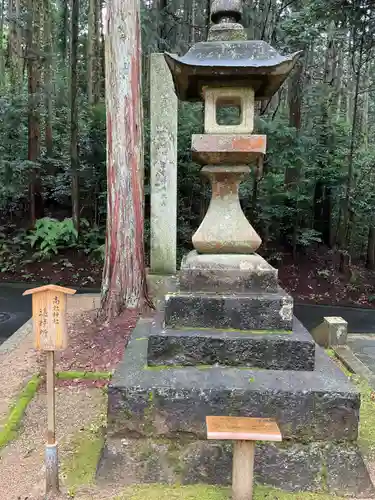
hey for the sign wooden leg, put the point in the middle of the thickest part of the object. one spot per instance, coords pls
(52, 464)
(243, 468)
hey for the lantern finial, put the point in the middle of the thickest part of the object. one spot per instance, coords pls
(226, 11)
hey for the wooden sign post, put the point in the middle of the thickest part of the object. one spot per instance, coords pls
(50, 334)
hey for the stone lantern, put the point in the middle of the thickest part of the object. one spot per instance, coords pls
(227, 71)
(226, 343)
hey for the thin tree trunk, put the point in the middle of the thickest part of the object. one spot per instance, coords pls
(48, 50)
(344, 231)
(91, 45)
(33, 67)
(2, 63)
(124, 276)
(365, 109)
(371, 248)
(74, 114)
(97, 52)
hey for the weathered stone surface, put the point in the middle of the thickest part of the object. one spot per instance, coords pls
(219, 149)
(271, 350)
(338, 462)
(333, 331)
(227, 273)
(225, 228)
(289, 466)
(243, 311)
(243, 98)
(227, 31)
(172, 402)
(163, 140)
(226, 8)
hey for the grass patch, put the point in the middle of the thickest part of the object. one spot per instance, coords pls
(10, 429)
(79, 466)
(200, 492)
(73, 375)
(366, 439)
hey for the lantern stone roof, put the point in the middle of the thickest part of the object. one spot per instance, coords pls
(249, 63)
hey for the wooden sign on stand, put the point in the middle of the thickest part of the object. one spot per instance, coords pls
(50, 335)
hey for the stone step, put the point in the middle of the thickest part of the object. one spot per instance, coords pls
(336, 467)
(241, 311)
(170, 402)
(271, 350)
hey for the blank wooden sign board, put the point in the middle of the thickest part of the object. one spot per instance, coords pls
(244, 432)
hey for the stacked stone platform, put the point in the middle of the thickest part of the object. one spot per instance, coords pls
(156, 413)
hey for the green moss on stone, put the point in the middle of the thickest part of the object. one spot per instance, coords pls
(10, 428)
(331, 353)
(201, 492)
(74, 375)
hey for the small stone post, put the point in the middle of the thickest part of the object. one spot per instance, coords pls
(163, 138)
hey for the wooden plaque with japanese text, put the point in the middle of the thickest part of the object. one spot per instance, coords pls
(49, 317)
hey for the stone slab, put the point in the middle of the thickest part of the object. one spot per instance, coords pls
(296, 467)
(227, 149)
(241, 311)
(272, 350)
(227, 273)
(171, 402)
(163, 167)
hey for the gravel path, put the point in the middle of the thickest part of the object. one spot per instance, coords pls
(21, 462)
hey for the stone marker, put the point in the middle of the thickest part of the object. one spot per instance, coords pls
(163, 139)
(333, 331)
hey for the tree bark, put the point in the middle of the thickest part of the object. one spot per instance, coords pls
(124, 276)
(371, 248)
(48, 75)
(2, 62)
(33, 69)
(91, 45)
(74, 114)
(97, 77)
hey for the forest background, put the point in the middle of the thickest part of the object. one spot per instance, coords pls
(312, 199)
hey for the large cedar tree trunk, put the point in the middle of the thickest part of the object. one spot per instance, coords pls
(124, 276)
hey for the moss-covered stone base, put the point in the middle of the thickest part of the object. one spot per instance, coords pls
(317, 467)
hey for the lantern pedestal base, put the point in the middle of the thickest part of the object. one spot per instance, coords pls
(227, 273)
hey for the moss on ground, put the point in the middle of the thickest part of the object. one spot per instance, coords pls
(79, 466)
(73, 375)
(200, 492)
(366, 439)
(10, 428)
